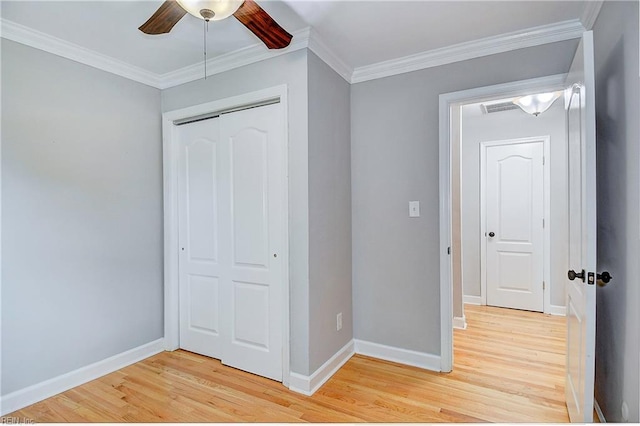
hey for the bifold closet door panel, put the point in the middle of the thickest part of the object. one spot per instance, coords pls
(199, 229)
(254, 227)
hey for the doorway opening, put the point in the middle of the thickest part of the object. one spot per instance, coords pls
(509, 243)
(460, 216)
(508, 228)
(579, 98)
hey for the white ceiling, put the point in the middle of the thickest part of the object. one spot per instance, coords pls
(368, 32)
(111, 28)
(360, 33)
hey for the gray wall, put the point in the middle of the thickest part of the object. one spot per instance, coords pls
(511, 125)
(289, 69)
(394, 153)
(329, 211)
(618, 109)
(82, 216)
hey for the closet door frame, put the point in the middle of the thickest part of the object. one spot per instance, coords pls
(170, 192)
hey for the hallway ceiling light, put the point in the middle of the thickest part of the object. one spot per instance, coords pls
(538, 103)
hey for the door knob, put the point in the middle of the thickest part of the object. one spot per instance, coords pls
(604, 277)
(492, 234)
(572, 275)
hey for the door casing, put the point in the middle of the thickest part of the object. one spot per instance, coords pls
(546, 210)
(170, 193)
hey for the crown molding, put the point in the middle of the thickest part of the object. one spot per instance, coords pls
(39, 40)
(590, 13)
(305, 38)
(536, 36)
(241, 57)
(228, 61)
(317, 46)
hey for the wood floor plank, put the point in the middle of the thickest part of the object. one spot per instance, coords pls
(508, 367)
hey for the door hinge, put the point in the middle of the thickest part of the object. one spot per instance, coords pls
(543, 160)
(543, 223)
(448, 250)
(544, 285)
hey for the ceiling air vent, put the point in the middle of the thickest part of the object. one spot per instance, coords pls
(498, 107)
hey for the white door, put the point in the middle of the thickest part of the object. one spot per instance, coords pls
(580, 291)
(231, 226)
(253, 194)
(514, 204)
(199, 237)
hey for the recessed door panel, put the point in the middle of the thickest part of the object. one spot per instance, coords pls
(515, 270)
(251, 315)
(249, 197)
(201, 199)
(203, 294)
(515, 203)
(574, 361)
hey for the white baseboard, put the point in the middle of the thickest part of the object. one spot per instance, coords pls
(35, 393)
(599, 411)
(399, 355)
(477, 300)
(472, 300)
(460, 322)
(308, 385)
(558, 310)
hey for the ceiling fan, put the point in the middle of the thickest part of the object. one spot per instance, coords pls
(248, 12)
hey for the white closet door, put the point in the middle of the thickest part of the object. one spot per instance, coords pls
(252, 194)
(199, 229)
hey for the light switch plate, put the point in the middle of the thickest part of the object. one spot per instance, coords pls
(414, 208)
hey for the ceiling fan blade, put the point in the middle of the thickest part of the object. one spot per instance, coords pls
(161, 22)
(262, 25)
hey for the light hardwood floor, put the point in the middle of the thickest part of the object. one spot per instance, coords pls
(508, 367)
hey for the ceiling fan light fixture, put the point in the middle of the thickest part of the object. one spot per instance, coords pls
(221, 8)
(538, 103)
